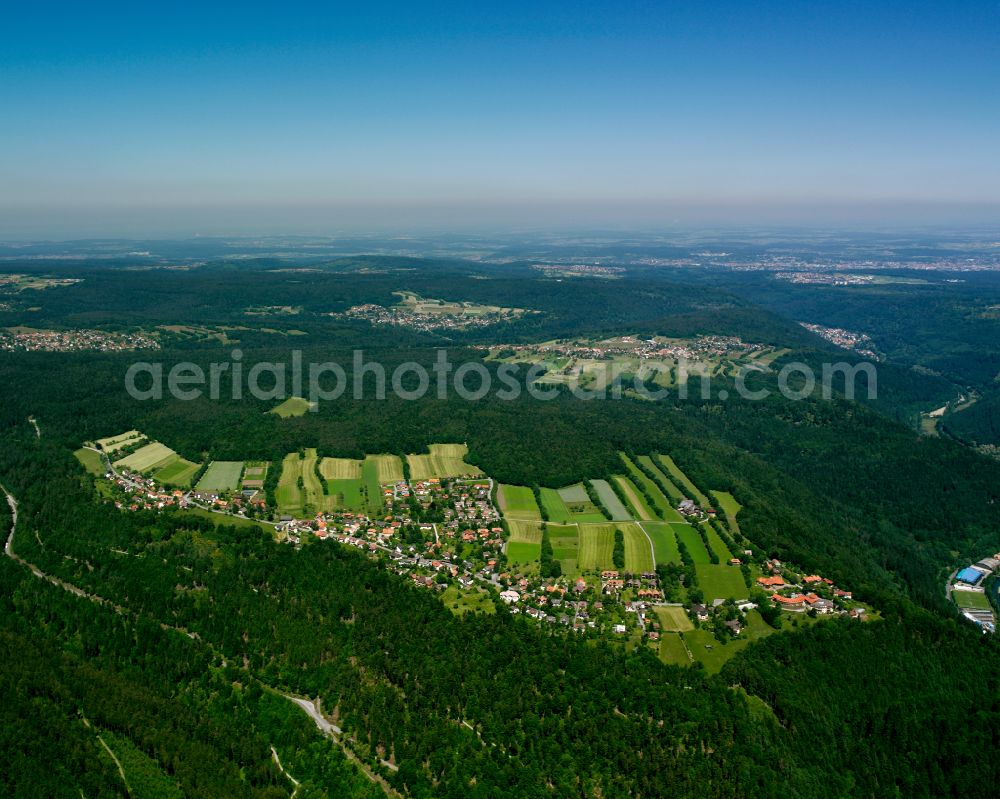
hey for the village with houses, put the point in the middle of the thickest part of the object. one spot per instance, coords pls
(656, 347)
(861, 343)
(419, 313)
(451, 535)
(810, 593)
(664, 361)
(27, 339)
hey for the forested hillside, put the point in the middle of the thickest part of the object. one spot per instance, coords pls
(190, 634)
(402, 674)
(825, 483)
(977, 424)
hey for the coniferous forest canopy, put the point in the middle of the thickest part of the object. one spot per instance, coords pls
(163, 645)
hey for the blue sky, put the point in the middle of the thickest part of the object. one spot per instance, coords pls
(267, 117)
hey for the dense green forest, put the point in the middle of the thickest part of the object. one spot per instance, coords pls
(549, 713)
(942, 321)
(829, 483)
(76, 669)
(671, 303)
(979, 423)
(221, 295)
(204, 627)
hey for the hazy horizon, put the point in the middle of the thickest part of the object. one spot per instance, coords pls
(394, 220)
(250, 120)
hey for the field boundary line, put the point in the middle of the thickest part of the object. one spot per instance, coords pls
(652, 549)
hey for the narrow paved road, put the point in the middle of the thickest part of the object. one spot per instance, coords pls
(325, 726)
(9, 546)
(652, 550)
(281, 768)
(9, 552)
(312, 709)
(109, 466)
(947, 585)
(73, 589)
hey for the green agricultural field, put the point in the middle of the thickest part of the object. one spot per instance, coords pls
(671, 514)
(290, 498)
(588, 515)
(672, 650)
(221, 476)
(699, 641)
(461, 602)
(664, 542)
(597, 543)
(522, 553)
(719, 581)
(609, 499)
(517, 502)
(316, 500)
(90, 460)
(691, 539)
(675, 473)
(555, 507)
(570, 569)
(293, 406)
(717, 544)
(340, 469)
(673, 619)
(345, 494)
(177, 473)
(565, 541)
(637, 503)
(388, 468)
(146, 458)
(226, 520)
(578, 503)
(661, 503)
(372, 485)
(525, 531)
(307, 500)
(638, 554)
(972, 600)
(673, 492)
(444, 460)
(574, 494)
(114, 443)
(727, 503)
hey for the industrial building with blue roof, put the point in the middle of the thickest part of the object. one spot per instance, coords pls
(970, 575)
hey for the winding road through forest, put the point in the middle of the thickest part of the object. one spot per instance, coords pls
(324, 725)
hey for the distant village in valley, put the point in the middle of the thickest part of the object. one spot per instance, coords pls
(657, 361)
(832, 278)
(702, 347)
(419, 313)
(11, 283)
(556, 270)
(31, 340)
(861, 343)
